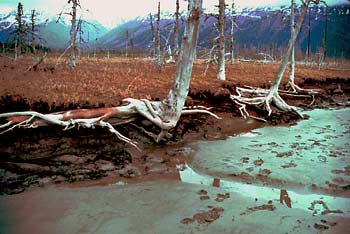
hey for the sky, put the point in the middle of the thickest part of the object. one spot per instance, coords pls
(112, 12)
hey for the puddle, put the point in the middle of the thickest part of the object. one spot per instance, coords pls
(317, 204)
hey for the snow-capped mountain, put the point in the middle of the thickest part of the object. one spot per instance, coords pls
(256, 29)
(52, 34)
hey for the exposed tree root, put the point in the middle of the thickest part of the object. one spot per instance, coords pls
(297, 90)
(261, 97)
(129, 112)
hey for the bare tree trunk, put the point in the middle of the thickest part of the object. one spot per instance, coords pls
(309, 37)
(80, 31)
(153, 54)
(265, 97)
(73, 33)
(126, 43)
(95, 48)
(287, 55)
(233, 22)
(33, 31)
(292, 59)
(132, 44)
(20, 30)
(158, 49)
(325, 37)
(221, 66)
(176, 29)
(175, 100)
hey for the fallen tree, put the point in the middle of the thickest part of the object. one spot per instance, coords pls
(164, 114)
(266, 97)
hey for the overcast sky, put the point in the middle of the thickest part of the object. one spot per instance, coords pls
(111, 12)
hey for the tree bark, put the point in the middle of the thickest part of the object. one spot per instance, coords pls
(32, 18)
(176, 98)
(292, 58)
(176, 29)
(153, 53)
(221, 65)
(158, 49)
(308, 52)
(126, 43)
(233, 22)
(20, 30)
(73, 33)
(325, 37)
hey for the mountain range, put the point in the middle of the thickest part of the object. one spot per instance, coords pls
(258, 29)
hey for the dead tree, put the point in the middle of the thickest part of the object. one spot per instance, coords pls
(266, 97)
(221, 65)
(176, 29)
(308, 50)
(75, 4)
(19, 31)
(232, 36)
(126, 43)
(153, 46)
(132, 43)
(292, 58)
(80, 33)
(157, 46)
(325, 33)
(32, 19)
(164, 114)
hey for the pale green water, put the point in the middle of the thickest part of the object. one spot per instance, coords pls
(314, 153)
(311, 158)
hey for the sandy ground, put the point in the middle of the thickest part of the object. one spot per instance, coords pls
(155, 207)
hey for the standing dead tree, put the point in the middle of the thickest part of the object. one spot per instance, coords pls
(232, 36)
(325, 34)
(263, 97)
(176, 29)
(221, 75)
(308, 49)
(73, 33)
(20, 31)
(292, 57)
(153, 46)
(157, 41)
(126, 43)
(81, 40)
(164, 114)
(217, 52)
(32, 20)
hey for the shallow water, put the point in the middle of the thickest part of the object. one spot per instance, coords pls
(314, 154)
(310, 160)
(323, 204)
